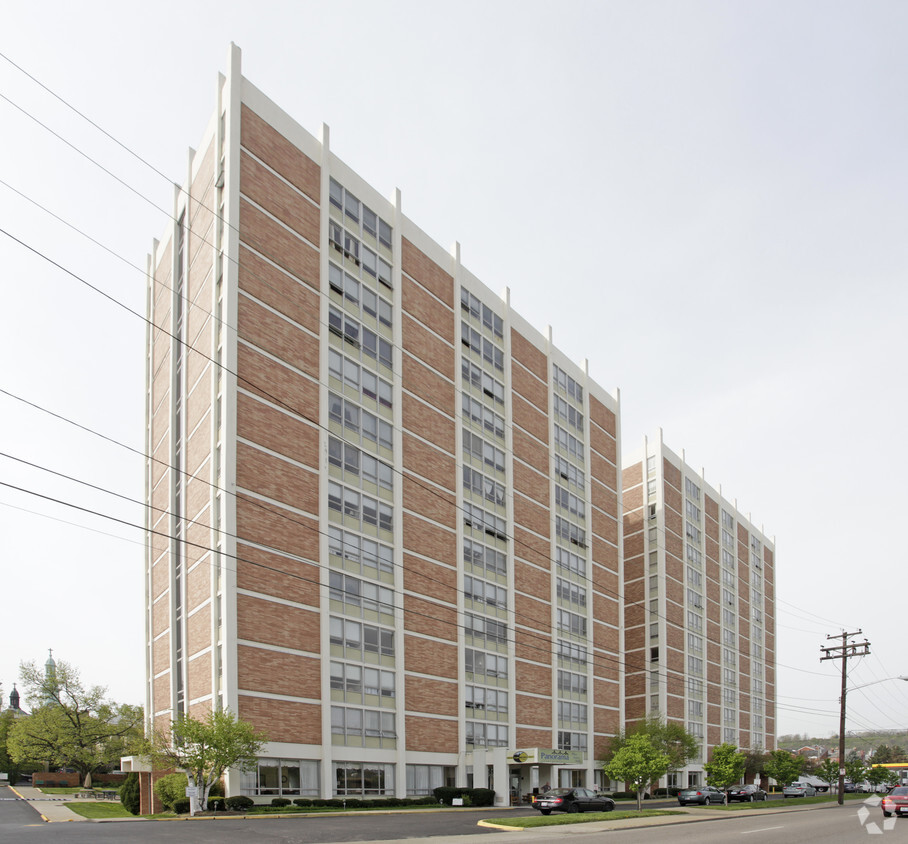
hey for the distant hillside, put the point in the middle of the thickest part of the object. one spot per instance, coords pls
(865, 741)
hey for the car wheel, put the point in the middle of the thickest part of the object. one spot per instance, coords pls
(750, 798)
(609, 807)
(887, 814)
(706, 802)
(545, 811)
(574, 808)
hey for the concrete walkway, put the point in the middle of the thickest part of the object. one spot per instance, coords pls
(49, 806)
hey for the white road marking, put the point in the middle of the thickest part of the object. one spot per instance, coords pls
(765, 829)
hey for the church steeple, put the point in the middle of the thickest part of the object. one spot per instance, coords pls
(50, 676)
(14, 699)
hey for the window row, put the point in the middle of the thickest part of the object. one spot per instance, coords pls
(476, 412)
(693, 532)
(694, 555)
(357, 212)
(570, 444)
(570, 622)
(567, 470)
(360, 422)
(360, 296)
(484, 629)
(566, 590)
(363, 723)
(475, 342)
(568, 740)
(359, 596)
(487, 488)
(482, 664)
(561, 379)
(360, 379)
(571, 652)
(570, 562)
(482, 557)
(363, 779)
(570, 711)
(367, 341)
(571, 683)
(361, 508)
(692, 510)
(490, 524)
(485, 734)
(476, 447)
(362, 256)
(366, 555)
(366, 638)
(476, 377)
(490, 700)
(288, 777)
(485, 592)
(691, 489)
(570, 532)
(481, 313)
(360, 464)
(570, 502)
(569, 413)
(362, 680)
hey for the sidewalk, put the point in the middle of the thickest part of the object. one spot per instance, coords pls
(49, 806)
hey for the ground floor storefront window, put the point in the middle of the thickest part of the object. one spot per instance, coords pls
(363, 779)
(422, 779)
(282, 778)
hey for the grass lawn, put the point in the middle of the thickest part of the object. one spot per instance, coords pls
(108, 809)
(45, 790)
(792, 802)
(580, 817)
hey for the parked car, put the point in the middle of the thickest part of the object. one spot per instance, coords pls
(850, 788)
(799, 789)
(745, 792)
(702, 794)
(572, 800)
(896, 801)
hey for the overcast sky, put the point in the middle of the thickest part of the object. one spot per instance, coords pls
(706, 200)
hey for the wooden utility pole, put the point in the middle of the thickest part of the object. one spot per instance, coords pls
(843, 652)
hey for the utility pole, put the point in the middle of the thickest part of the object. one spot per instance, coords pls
(843, 652)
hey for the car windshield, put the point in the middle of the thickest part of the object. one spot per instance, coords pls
(557, 792)
(902, 791)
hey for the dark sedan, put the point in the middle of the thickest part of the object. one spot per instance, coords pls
(745, 793)
(702, 794)
(572, 800)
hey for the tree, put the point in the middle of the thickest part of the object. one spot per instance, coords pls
(886, 753)
(638, 763)
(205, 748)
(855, 770)
(72, 726)
(668, 738)
(783, 767)
(881, 776)
(726, 767)
(755, 762)
(829, 772)
(129, 793)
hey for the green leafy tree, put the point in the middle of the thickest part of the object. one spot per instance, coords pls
(755, 762)
(170, 788)
(855, 769)
(669, 738)
(206, 747)
(726, 767)
(73, 726)
(638, 763)
(889, 753)
(783, 767)
(828, 771)
(877, 776)
(129, 793)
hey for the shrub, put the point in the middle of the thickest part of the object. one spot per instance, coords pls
(171, 788)
(302, 801)
(470, 796)
(216, 804)
(280, 801)
(240, 802)
(353, 803)
(129, 793)
(181, 806)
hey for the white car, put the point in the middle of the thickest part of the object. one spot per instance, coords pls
(799, 789)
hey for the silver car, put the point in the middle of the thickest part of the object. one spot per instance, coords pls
(799, 789)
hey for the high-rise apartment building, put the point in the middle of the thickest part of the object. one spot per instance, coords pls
(383, 510)
(699, 635)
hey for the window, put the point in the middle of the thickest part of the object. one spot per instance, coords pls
(354, 725)
(568, 740)
(353, 681)
(728, 597)
(694, 599)
(693, 532)
(728, 540)
(694, 643)
(475, 412)
(692, 510)
(360, 464)
(474, 376)
(570, 592)
(363, 778)
(695, 709)
(571, 562)
(484, 522)
(479, 484)
(424, 779)
(569, 444)
(486, 700)
(729, 618)
(694, 688)
(568, 413)
(694, 578)
(694, 621)
(729, 657)
(570, 683)
(570, 711)
(475, 447)
(567, 384)
(485, 630)
(359, 424)
(479, 733)
(484, 592)
(729, 638)
(482, 346)
(571, 652)
(695, 729)
(695, 666)
(360, 553)
(361, 380)
(694, 556)
(569, 472)
(357, 639)
(360, 596)
(569, 622)
(692, 490)
(482, 664)
(570, 502)
(728, 520)
(570, 532)
(363, 511)
(277, 777)
(369, 345)
(469, 304)
(483, 558)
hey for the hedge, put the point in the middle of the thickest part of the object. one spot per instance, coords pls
(471, 796)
